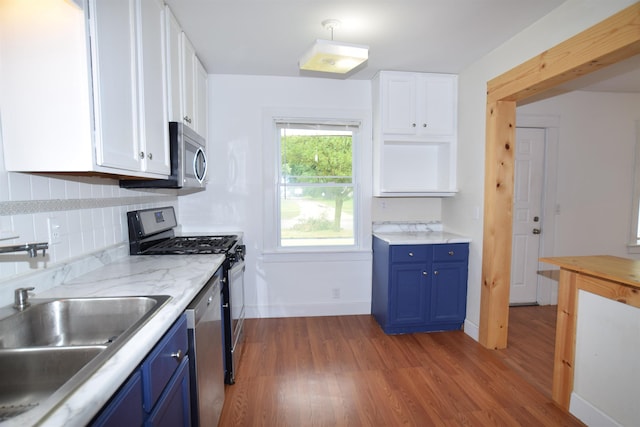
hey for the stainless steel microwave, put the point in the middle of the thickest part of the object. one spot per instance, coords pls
(188, 161)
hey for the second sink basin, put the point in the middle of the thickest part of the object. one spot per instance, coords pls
(30, 375)
(75, 321)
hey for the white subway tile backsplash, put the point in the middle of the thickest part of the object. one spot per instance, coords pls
(91, 212)
(72, 189)
(19, 186)
(40, 188)
(85, 190)
(57, 188)
(4, 185)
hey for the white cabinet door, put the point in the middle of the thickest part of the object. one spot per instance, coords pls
(200, 96)
(154, 128)
(399, 103)
(174, 54)
(188, 81)
(437, 108)
(113, 46)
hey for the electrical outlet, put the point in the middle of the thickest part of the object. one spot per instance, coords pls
(55, 231)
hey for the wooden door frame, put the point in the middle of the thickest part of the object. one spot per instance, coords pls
(610, 41)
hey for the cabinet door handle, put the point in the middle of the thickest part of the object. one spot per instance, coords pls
(141, 154)
(413, 125)
(410, 253)
(424, 125)
(187, 119)
(435, 273)
(178, 355)
(150, 156)
(451, 253)
(424, 273)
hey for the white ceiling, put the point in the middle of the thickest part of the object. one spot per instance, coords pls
(266, 37)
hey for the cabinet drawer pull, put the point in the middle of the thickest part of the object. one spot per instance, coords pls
(424, 273)
(410, 253)
(413, 125)
(424, 125)
(435, 273)
(178, 355)
(451, 253)
(187, 119)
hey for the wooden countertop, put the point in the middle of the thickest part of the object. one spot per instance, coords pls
(622, 270)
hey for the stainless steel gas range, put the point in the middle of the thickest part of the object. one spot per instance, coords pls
(152, 232)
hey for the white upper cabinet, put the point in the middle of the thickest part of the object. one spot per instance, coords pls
(174, 65)
(200, 99)
(415, 134)
(154, 136)
(187, 79)
(84, 90)
(419, 104)
(114, 83)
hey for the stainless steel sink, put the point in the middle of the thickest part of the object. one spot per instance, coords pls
(52, 347)
(32, 374)
(73, 321)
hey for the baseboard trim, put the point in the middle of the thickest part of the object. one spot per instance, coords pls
(589, 414)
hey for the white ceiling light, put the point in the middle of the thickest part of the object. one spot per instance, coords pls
(329, 56)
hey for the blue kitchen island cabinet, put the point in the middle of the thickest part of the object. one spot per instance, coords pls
(419, 288)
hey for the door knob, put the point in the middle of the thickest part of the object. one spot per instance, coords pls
(536, 231)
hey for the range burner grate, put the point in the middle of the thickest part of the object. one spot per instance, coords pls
(194, 245)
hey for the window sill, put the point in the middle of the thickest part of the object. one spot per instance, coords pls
(633, 248)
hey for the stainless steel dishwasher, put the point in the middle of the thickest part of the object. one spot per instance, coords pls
(204, 323)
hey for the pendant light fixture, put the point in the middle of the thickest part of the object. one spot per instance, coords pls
(329, 56)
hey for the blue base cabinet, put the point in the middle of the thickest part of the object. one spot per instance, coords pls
(157, 393)
(419, 288)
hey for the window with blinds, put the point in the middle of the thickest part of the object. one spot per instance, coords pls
(316, 184)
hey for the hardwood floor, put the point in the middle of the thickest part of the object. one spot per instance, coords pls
(532, 332)
(344, 371)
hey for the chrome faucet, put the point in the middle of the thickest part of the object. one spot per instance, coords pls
(31, 248)
(21, 298)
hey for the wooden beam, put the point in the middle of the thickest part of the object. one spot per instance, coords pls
(564, 355)
(498, 204)
(614, 39)
(610, 41)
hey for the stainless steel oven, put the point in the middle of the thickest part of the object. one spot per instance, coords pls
(236, 316)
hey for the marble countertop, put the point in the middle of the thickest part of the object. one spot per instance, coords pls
(180, 276)
(415, 233)
(421, 238)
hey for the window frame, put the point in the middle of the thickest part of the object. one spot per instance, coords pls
(361, 173)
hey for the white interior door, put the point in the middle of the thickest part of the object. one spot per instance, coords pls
(527, 210)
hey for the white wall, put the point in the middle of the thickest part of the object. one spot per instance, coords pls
(567, 20)
(594, 188)
(275, 285)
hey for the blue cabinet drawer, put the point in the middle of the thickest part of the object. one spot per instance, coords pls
(162, 362)
(410, 253)
(451, 252)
